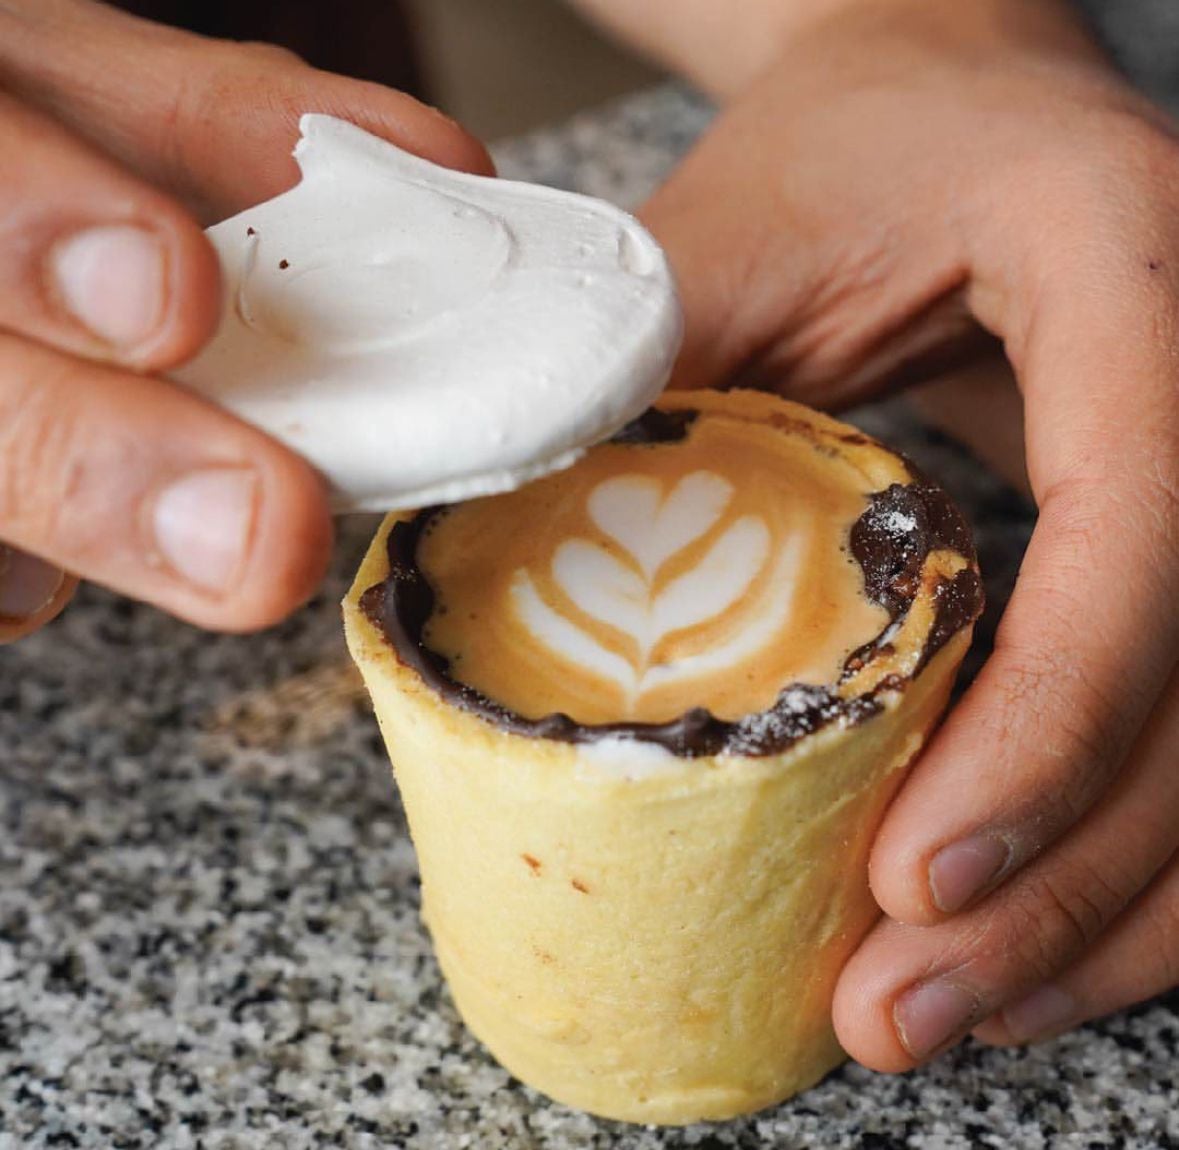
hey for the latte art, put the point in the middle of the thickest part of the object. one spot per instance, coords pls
(646, 581)
(629, 600)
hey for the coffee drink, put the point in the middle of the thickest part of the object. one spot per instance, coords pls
(646, 714)
(644, 582)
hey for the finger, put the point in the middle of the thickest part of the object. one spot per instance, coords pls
(1090, 634)
(911, 990)
(213, 122)
(154, 492)
(32, 593)
(92, 260)
(811, 280)
(1136, 958)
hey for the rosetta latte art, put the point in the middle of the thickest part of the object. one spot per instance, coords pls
(625, 593)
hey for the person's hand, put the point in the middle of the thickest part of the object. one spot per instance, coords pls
(901, 179)
(118, 138)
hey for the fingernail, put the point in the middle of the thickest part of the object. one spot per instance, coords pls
(111, 279)
(27, 584)
(931, 1014)
(1039, 1014)
(202, 525)
(959, 872)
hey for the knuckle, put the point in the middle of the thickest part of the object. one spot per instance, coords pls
(230, 75)
(1135, 495)
(1090, 737)
(1128, 500)
(1077, 729)
(184, 104)
(260, 54)
(1074, 511)
(1040, 922)
(1057, 915)
(40, 467)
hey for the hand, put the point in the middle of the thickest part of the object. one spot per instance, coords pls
(902, 185)
(117, 139)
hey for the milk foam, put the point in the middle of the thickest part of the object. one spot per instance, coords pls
(651, 525)
(651, 530)
(424, 335)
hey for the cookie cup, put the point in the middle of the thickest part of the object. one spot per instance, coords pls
(643, 936)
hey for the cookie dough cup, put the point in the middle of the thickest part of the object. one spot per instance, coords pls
(646, 715)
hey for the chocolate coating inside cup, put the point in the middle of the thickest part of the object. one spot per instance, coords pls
(706, 581)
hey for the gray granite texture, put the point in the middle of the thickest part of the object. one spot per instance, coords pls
(209, 932)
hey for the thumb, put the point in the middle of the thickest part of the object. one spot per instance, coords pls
(213, 122)
(715, 251)
(798, 275)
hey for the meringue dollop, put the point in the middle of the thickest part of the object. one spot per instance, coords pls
(423, 335)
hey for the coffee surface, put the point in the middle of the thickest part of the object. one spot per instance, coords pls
(651, 579)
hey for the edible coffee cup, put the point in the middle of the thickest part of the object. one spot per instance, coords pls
(646, 715)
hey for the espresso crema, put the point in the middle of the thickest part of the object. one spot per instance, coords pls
(728, 568)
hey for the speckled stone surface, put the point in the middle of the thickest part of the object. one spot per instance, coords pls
(209, 932)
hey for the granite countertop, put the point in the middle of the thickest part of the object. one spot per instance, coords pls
(209, 930)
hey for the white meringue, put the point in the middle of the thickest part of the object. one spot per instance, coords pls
(423, 335)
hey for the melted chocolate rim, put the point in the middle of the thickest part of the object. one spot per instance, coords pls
(891, 541)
